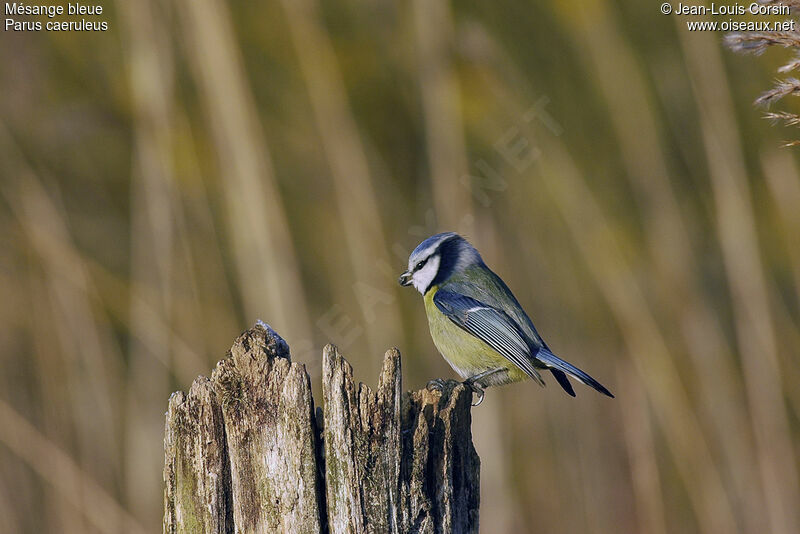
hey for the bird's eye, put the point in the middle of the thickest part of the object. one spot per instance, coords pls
(420, 264)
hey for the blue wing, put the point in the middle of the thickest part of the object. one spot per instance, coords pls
(492, 326)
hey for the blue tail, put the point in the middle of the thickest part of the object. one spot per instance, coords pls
(559, 366)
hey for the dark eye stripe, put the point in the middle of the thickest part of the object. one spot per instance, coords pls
(420, 264)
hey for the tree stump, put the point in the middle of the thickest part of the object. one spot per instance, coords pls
(245, 451)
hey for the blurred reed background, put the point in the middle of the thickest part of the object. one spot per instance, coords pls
(203, 164)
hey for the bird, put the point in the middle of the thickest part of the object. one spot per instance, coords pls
(477, 324)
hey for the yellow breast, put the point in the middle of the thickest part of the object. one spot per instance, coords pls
(465, 353)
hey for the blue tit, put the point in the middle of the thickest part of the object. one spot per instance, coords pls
(476, 322)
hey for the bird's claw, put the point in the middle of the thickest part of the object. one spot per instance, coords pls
(473, 387)
(440, 384)
(437, 384)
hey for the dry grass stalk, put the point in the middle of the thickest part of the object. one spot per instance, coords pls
(782, 88)
(749, 285)
(256, 219)
(346, 157)
(788, 119)
(756, 43)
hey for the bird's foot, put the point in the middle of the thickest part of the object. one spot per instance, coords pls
(440, 384)
(475, 388)
(437, 384)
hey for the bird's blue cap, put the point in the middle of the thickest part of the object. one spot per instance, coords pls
(432, 243)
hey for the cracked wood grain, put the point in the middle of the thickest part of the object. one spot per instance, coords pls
(245, 453)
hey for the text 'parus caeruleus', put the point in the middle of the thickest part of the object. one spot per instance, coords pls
(477, 324)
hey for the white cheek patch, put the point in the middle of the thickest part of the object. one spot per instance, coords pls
(423, 278)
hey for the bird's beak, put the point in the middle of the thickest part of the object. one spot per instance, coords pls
(405, 279)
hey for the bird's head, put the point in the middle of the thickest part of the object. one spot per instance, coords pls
(438, 258)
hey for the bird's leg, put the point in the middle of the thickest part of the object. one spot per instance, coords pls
(473, 383)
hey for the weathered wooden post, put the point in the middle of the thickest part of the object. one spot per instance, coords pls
(245, 450)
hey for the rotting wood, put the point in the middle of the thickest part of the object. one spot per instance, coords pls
(244, 451)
